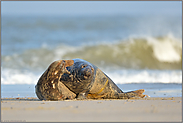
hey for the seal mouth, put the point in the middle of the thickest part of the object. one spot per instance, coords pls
(86, 72)
(87, 75)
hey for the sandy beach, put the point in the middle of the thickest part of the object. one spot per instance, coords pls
(153, 109)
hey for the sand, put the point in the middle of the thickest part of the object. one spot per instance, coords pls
(148, 109)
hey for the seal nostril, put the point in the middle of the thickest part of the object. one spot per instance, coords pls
(86, 76)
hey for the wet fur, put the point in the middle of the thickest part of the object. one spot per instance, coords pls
(49, 87)
(69, 79)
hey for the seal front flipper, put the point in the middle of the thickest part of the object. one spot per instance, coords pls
(82, 95)
(132, 94)
(49, 86)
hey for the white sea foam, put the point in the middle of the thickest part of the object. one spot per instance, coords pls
(12, 76)
(145, 76)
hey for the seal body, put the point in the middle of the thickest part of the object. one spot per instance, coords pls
(77, 78)
(49, 87)
(88, 82)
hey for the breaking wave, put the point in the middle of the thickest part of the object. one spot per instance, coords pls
(163, 53)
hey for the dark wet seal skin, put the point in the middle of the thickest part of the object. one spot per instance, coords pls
(49, 87)
(70, 79)
(88, 82)
(80, 79)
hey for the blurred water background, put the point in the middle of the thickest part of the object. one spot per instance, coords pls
(134, 50)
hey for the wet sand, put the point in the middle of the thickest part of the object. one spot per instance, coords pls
(147, 110)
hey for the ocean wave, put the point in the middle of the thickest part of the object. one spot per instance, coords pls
(12, 76)
(132, 53)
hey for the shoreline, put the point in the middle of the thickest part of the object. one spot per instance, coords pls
(150, 109)
(151, 89)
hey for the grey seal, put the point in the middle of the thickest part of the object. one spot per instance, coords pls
(79, 79)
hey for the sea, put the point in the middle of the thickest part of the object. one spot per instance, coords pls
(135, 51)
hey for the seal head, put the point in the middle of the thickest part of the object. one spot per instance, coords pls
(80, 78)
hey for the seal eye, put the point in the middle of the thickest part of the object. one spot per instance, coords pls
(83, 66)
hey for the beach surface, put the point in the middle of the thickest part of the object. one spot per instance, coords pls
(150, 109)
